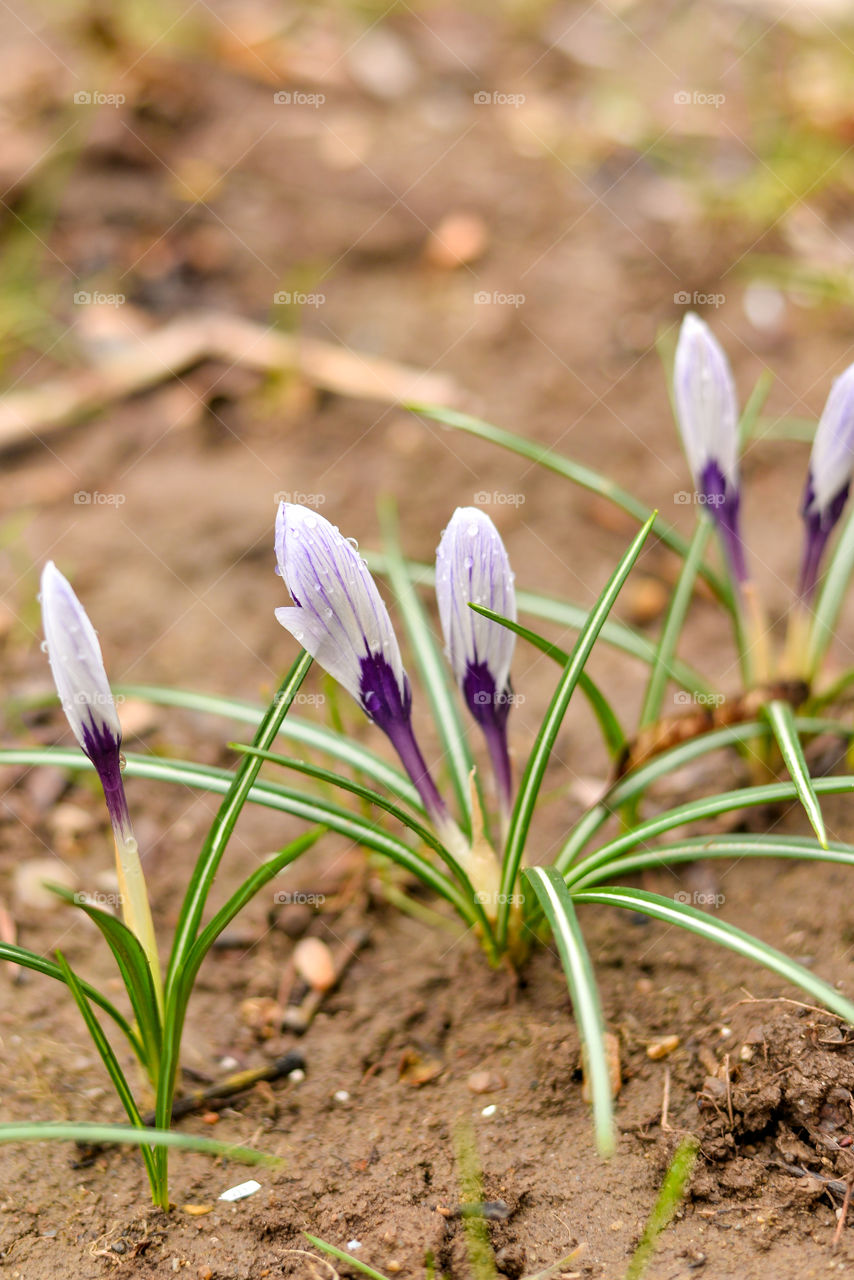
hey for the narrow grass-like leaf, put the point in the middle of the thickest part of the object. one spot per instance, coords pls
(694, 811)
(128, 1135)
(643, 776)
(433, 667)
(229, 811)
(579, 474)
(781, 717)
(558, 909)
(114, 1071)
(529, 788)
(612, 731)
(355, 1263)
(670, 1196)
(134, 968)
(470, 1180)
(565, 614)
(834, 586)
(674, 621)
(238, 900)
(726, 935)
(755, 404)
(697, 848)
(245, 893)
(372, 798)
(316, 737)
(40, 964)
(272, 796)
(176, 994)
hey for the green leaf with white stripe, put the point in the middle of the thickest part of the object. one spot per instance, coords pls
(725, 935)
(579, 474)
(559, 911)
(529, 787)
(564, 614)
(315, 737)
(612, 731)
(781, 717)
(674, 621)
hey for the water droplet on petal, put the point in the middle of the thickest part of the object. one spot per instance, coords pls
(353, 543)
(43, 646)
(311, 522)
(123, 764)
(472, 530)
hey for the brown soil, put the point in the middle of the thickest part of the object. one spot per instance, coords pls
(178, 578)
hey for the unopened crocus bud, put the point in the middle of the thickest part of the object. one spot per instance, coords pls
(339, 617)
(828, 478)
(87, 700)
(472, 567)
(707, 412)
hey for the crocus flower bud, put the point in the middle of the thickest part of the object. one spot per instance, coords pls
(81, 682)
(472, 567)
(829, 476)
(87, 700)
(707, 412)
(340, 619)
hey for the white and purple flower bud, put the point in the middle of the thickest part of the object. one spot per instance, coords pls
(829, 477)
(339, 617)
(707, 412)
(472, 567)
(87, 700)
(84, 690)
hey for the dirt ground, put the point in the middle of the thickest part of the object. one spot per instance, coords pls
(595, 196)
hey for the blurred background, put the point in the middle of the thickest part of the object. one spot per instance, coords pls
(219, 222)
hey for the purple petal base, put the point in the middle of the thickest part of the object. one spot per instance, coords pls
(490, 708)
(383, 703)
(380, 693)
(103, 749)
(723, 503)
(819, 525)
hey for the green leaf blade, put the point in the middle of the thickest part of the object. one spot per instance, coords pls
(705, 926)
(529, 788)
(781, 717)
(558, 909)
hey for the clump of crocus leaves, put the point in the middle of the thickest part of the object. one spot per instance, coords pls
(434, 817)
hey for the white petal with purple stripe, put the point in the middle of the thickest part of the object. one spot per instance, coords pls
(472, 565)
(706, 404)
(338, 613)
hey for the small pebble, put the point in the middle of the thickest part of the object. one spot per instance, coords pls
(242, 1191)
(661, 1048)
(486, 1081)
(353, 1245)
(490, 1110)
(646, 601)
(198, 1210)
(298, 1075)
(458, 239)
(314, 964)
(341, 1095)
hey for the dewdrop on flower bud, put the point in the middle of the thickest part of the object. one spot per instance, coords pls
(472, 567)
(707, 412)
(339, 617)
(828, 477)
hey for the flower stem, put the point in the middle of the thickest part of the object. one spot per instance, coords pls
(136, 909)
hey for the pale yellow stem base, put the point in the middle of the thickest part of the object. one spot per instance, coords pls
(135, 906)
